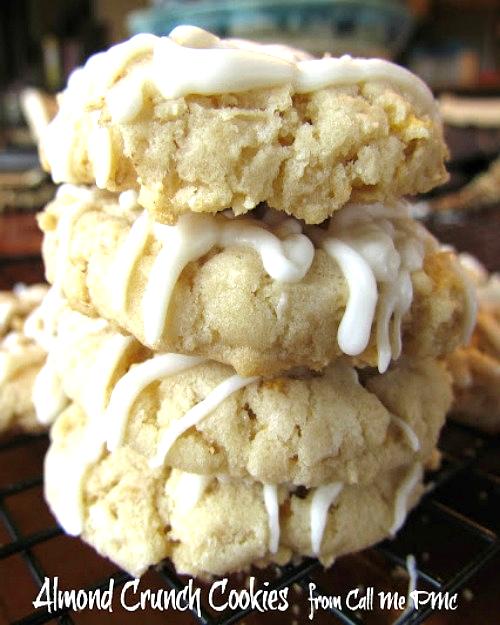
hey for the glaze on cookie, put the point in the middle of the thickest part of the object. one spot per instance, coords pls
(262, 295)
(137, 516)
(198, 124)
(200, 417)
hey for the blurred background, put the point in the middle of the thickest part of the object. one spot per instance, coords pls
(452, 44)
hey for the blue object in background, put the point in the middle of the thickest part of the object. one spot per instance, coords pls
(359, 27)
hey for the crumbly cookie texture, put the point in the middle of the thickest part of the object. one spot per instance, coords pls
(225, 306)
(306, 154)
(20, 359)
(16, 407)
(475, 368)
(137, 516)
(308, 431)
(302, 428)
(17, 304)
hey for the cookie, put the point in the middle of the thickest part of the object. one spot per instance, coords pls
(16, 407)
(261, 295)
(17, 304)
(137, 516)
(198, 124)
(20, 358)
(198, 416)
(475, 368)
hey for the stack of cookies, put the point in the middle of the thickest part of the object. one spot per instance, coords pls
(248, 322)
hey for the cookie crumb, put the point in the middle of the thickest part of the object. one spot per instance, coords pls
(467, 594)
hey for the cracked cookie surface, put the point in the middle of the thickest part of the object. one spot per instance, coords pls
(137, 516)
(304, 153)
(301, 428)
(226, 306)
(21, 358)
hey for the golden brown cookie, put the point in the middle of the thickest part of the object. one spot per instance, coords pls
(198, 416)
(136, 516)
(194, 123)
(21, 358)
(261, 295)
(475, 368)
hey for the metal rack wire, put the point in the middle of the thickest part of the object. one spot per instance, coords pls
(467, 472)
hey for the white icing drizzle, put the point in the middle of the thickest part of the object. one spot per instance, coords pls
(194, 235)
(77, 192)
(70, 513)
(193, 61)
(395, 301)
(126, 258)
(128, 200)
(125, 100)
(48, 395)
(92, 444)
(377, 248)
(109, 355)
(270, 492)
(279, 50)
(281, 305)
(355, 328)
(411, 567)
(100, 154)
(408, 431)
(130, 386)
(58, 145)
(13, 341)
(323, 497)
(401, 502)
(63, 492)
(222, 68)
(190, 489)
(198, 412)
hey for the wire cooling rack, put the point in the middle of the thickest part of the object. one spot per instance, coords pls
(453, 534)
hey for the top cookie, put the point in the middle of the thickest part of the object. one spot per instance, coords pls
(195, 123)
